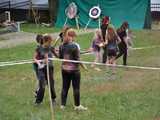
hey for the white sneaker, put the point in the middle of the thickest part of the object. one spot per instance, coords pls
(80, 107)
(97, 69)
(62, 107)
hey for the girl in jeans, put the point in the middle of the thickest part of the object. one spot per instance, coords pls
(43, 53)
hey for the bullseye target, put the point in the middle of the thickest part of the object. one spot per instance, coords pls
(71, 10)
(95, 12)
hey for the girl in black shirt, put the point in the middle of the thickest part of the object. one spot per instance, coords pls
(70, 71)
(123, 46)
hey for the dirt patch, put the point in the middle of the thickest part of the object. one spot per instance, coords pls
(2, 39)
(16, 38)
(19, 38)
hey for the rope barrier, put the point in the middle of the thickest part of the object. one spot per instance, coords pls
(82, 53)
(15, 61)
(29, 61)
(102, 64)
(83, 62)
(141, 48)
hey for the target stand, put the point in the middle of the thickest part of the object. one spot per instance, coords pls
(71, 13)
(94, 14)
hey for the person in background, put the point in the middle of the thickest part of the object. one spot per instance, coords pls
(97, 44)
(112, 48)
(123, 45)
(70, 70)
(104, 25)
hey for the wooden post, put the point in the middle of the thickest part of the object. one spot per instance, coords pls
(49, 91)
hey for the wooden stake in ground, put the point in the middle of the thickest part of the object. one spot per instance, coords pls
(49, 90)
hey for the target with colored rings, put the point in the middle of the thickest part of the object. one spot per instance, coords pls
(95, 12)
(71, 10)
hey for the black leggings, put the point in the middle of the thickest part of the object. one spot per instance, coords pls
(122, 51)
(42, 75)
(105, 52)
(67, 77)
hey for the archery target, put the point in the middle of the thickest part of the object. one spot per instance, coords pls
(94, 12)
(71, 10)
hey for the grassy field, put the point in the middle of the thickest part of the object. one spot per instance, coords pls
(133, 95)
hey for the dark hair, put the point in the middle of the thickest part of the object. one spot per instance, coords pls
(47, 38)
(39, 39)
(123, 27)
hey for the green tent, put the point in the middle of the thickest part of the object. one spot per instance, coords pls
(136, 12)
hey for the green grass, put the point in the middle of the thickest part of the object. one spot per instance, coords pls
(33, 28)
(134, 95)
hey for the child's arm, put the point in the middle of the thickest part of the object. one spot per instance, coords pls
(38, 62)
(126, 41)
(34, 58)
(55, 53)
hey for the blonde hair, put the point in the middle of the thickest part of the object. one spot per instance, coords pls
(69, 32)
(97, 33)
(111, 34)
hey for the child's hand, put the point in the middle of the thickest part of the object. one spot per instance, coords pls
(90, 50)
(41, 65)
(105, 43)
(101, 45)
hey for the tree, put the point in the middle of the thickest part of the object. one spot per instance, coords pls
(53, 9)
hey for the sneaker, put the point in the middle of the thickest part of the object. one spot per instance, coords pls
(62, 107)
(97, 69)
(80, 107)
(37, 103)
(35, 94)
